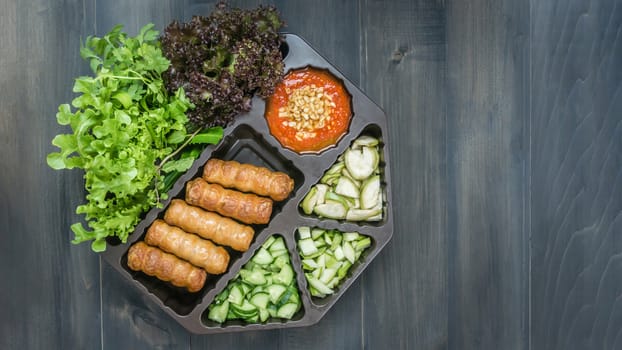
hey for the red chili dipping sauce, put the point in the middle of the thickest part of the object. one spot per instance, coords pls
(309, 111)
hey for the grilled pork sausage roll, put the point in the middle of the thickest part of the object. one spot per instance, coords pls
(248, 178)
(209, 225)
(245, 207)
(166, 267)
(200, 252)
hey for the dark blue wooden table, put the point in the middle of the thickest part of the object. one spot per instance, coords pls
(506, 140)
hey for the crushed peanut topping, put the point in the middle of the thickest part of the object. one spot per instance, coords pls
(308, 109)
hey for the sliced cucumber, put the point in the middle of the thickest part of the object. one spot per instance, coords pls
(327, 267)
(236, 296)
(262, 287)
(370, 192)
(330, 195)
(254, 277)
(335, 169)
(361, 163)
(246, 309)
(310, 200)
(278, 245)
(275, 291)
(260, 300)
(307, 246)
(353, 181)
(331, 209)
(363, 214)
(285, 276)
(262, 257)
(304, 232)
(288, 310)
(350, 236)
(321, 193)
(346, 187)
(218, 313)
(317, 284)
(364, 140)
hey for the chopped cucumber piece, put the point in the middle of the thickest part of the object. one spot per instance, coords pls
(362, 244)
(331, 210)
(280, 261)
(330, 195)
(370, 192)
(339, 253)
(307, 246)
(310, 200)
(278, 245)
(317, 233)
(218, 313)
(260, 300)
(336, 168)
(361, 163)
(362, 214)
(275, 291)
(285, 276)
(268, 242)
(343, 270)
(264, 315)
(245, 310)
(262, 257)
(236, 295)
(348, 251)
(365, 140)
(288, 310)
(264, 285)
(348, 176)
(254, 277)
(309, 264)
(329, 179)
(321, 193)
(351, 236)
(317, 284)
(346, 187)
(304, 232)
(327, 275)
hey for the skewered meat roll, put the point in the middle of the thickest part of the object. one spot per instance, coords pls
(248, 178)
(245, 207)
(166, 267)
(200, 252)
(209, 225)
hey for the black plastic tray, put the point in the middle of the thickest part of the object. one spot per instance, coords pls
(248, 140)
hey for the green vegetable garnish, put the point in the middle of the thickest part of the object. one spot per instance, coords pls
(128, 134)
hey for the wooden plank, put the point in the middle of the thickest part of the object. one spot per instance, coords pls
(403, 70)
(487, 109)
(50, 289)
(576, 189)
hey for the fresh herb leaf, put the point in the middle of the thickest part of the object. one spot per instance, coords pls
(211, 135)
(124, 124)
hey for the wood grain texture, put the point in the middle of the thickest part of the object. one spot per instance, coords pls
(403, 70)
(487, 105)
(49, 294)
(506, 141)
(576, 178)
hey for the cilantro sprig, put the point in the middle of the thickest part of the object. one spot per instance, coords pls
(128, 134)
